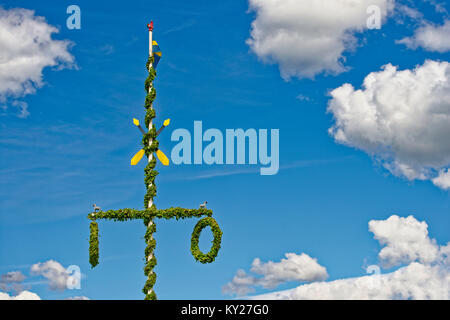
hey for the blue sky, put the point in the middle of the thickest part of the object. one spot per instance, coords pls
(74, 149)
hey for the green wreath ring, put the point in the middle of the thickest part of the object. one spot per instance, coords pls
(212, 254)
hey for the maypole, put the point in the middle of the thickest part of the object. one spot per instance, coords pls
(150, 177)
(151, 146)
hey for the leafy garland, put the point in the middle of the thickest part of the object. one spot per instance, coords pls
(93, 244)
(150, 213)
(212, 254)
(150, 147)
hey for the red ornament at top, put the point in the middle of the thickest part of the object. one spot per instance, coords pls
(150, 26)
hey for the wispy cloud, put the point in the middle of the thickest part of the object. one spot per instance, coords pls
(256, 169)
(176, 68)
(187, 24)
(107, 49)
(302, 97)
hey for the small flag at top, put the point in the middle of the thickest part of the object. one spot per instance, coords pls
(156, 54)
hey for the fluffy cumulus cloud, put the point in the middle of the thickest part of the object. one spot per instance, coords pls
(295, 267)
(26, 48)
(423, 268)
(405, 240)
(56, 275)
(308, 37)
(415, 281)
(430, 37)
(12, 281)
(12, 277)
(24, 295)
(401, 117)
(443, 179)
(27, 295)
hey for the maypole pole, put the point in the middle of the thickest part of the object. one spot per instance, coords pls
(150, 173)
(151, 146)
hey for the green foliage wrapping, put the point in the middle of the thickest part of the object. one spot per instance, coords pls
(151, 296)
(150, 175)
(152, 213)
(93, 244)
(182, 213)
(149, 116)
(149, 80)
(149, 284)
(149, 61)
(151, 245)
(212, 254)
(149, 266)
(121, 214)
(153, 147)
(151, 193)
(151, 96)
(149, 180)
(150, 231)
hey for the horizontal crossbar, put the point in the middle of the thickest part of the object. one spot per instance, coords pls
(148, 214)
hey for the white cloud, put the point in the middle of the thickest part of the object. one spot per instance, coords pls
(295, 267)
(22, 108)
(24, 295)
(309, 37)
(443, 179)
(12, 281)
(415, 281)
(77, 298)
(54, 272)
(445, 254)
(406, 240)
(12, 277)
(107, 49)
(431, 37)
(406, 11)
(302, 97)
(27, 295)
(26, 48)
(241, 284)
(439, 6)
(400, 117)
